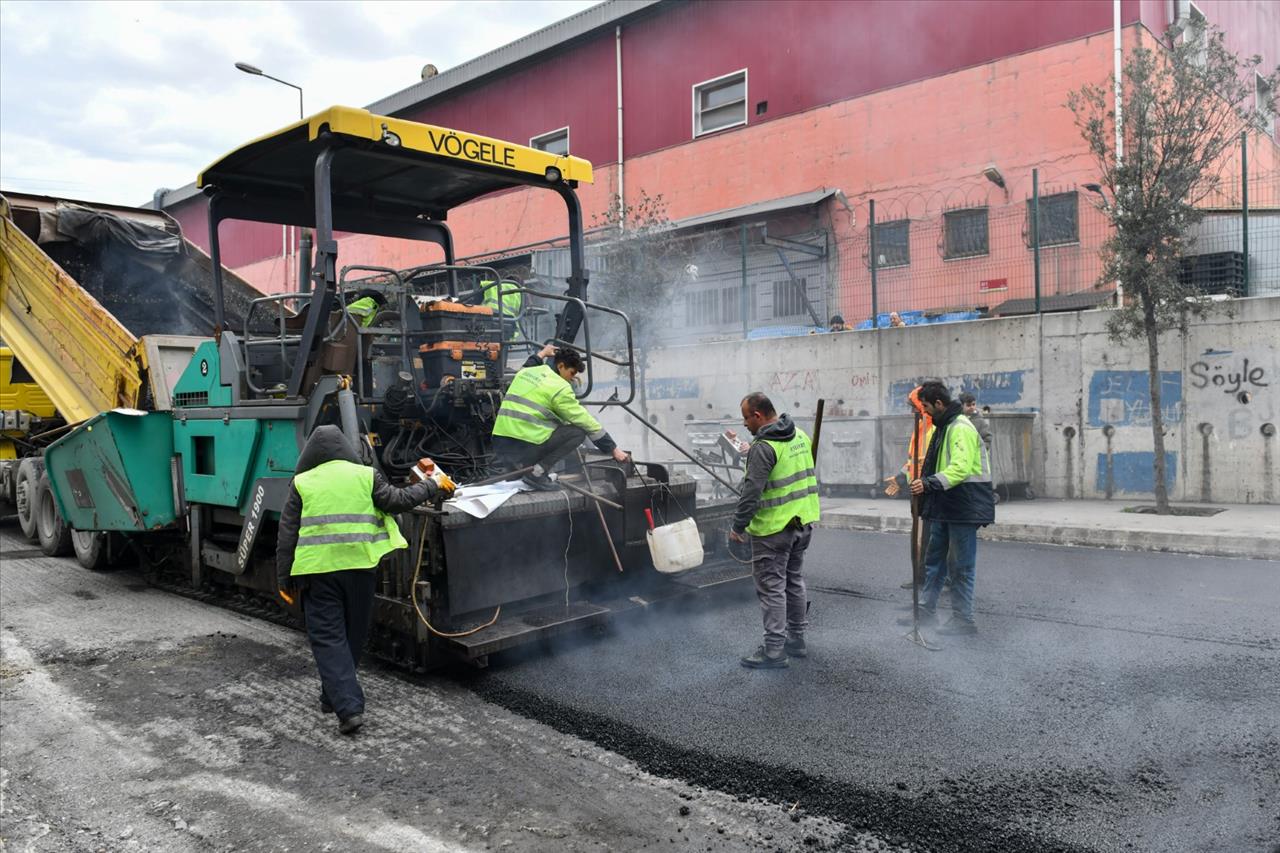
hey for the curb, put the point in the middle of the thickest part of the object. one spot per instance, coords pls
(1194, 544)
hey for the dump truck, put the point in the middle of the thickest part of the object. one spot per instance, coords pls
(196, 486)
(101, 307)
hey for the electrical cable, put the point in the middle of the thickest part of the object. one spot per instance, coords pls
(413, 593)
(568, 505)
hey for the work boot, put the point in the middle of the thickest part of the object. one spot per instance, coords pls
(908, 585)
(795, 648)
(540, 482)
(350, 725)
(326, 707)
(957, 625)
(927, 617)
(761, 659)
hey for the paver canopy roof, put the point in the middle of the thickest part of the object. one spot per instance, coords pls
(387, 164)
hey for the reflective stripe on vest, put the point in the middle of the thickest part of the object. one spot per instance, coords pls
(791, 490)
(340, 527)
(526, 412)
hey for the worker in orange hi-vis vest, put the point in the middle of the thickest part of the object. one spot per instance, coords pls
(916, 446)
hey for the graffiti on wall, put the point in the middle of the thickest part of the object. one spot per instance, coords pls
(673, 388)
(1123, 398)
(794, 380)
(1229, 377)
(1245, 385)
(1000, 388)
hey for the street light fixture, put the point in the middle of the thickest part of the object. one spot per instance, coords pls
(285, 236)
(1096, 189)
(258, 72)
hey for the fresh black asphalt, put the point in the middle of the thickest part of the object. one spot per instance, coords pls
(1112, 701)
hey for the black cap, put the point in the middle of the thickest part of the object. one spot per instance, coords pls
(835, 318)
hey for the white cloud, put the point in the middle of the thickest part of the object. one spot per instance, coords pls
(109, 100)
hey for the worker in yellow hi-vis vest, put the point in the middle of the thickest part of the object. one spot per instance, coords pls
(541, 421)
(777, 508)
(335, 527)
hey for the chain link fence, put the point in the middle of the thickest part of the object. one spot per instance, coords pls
(941, 257)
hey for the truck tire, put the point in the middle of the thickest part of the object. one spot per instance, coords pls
(92, 548)
(53, 532)
(25, 482)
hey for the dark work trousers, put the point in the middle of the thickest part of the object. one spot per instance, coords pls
(512, 453)
(338, 609)
(777, 563)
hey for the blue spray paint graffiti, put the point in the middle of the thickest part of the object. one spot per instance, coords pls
(1123, 398)
(1132, 471)
(1003, 388)
(674, 388)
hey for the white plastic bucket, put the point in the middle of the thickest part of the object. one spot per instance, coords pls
(675, 547)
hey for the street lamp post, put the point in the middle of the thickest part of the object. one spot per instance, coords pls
(258, 72)
(305, 241)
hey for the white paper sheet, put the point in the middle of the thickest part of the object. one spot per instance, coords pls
(479, 501)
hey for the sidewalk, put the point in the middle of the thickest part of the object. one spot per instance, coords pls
(1243, 530)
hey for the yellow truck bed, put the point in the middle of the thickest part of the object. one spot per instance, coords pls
(74, 348)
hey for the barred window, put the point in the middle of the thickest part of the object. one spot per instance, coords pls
(787, 301)
(1059, 220)
(965, 233)
(702, 308)
(893, 243)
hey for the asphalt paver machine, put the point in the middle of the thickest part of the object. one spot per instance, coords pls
(197, 489)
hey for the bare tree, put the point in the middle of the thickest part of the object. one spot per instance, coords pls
(1185, 104)
(641, 262)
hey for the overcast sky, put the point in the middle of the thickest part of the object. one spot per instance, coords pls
(107, 101)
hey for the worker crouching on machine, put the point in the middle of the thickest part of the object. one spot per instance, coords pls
(335, 527)
(541, 421)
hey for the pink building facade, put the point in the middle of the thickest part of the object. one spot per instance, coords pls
(730, 106)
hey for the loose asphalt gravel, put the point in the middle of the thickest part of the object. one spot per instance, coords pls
(1112, 701)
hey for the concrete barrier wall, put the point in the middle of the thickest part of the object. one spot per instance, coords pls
(1092, 439)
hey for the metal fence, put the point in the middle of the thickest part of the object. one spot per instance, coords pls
(940, 257)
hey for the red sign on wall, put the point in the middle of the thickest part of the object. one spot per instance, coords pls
(989, 284)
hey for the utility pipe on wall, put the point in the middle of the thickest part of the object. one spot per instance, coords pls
(1119, 60)
(622, 198)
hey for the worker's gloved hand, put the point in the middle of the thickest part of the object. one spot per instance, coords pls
(445, 485)
(737, 537)
(620, 455)
(288, 595)
(547, 351)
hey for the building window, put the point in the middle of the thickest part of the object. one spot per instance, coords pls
(965, 233)
(702, 308)
(731, 305)
(893, 243)
(787, 301)
(1195, 30)
(1059, 220)
(556, 142)
(1263, 105)
(720, 103)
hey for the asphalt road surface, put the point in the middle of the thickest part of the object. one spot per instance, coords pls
(1112, 701)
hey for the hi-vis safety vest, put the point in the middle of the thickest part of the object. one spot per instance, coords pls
(538, 401)
(511, 301)
(363, 310)
(341, 528)
(791, 490)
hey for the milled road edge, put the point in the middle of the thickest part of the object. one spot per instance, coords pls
(1194, 544)
(924, 824)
